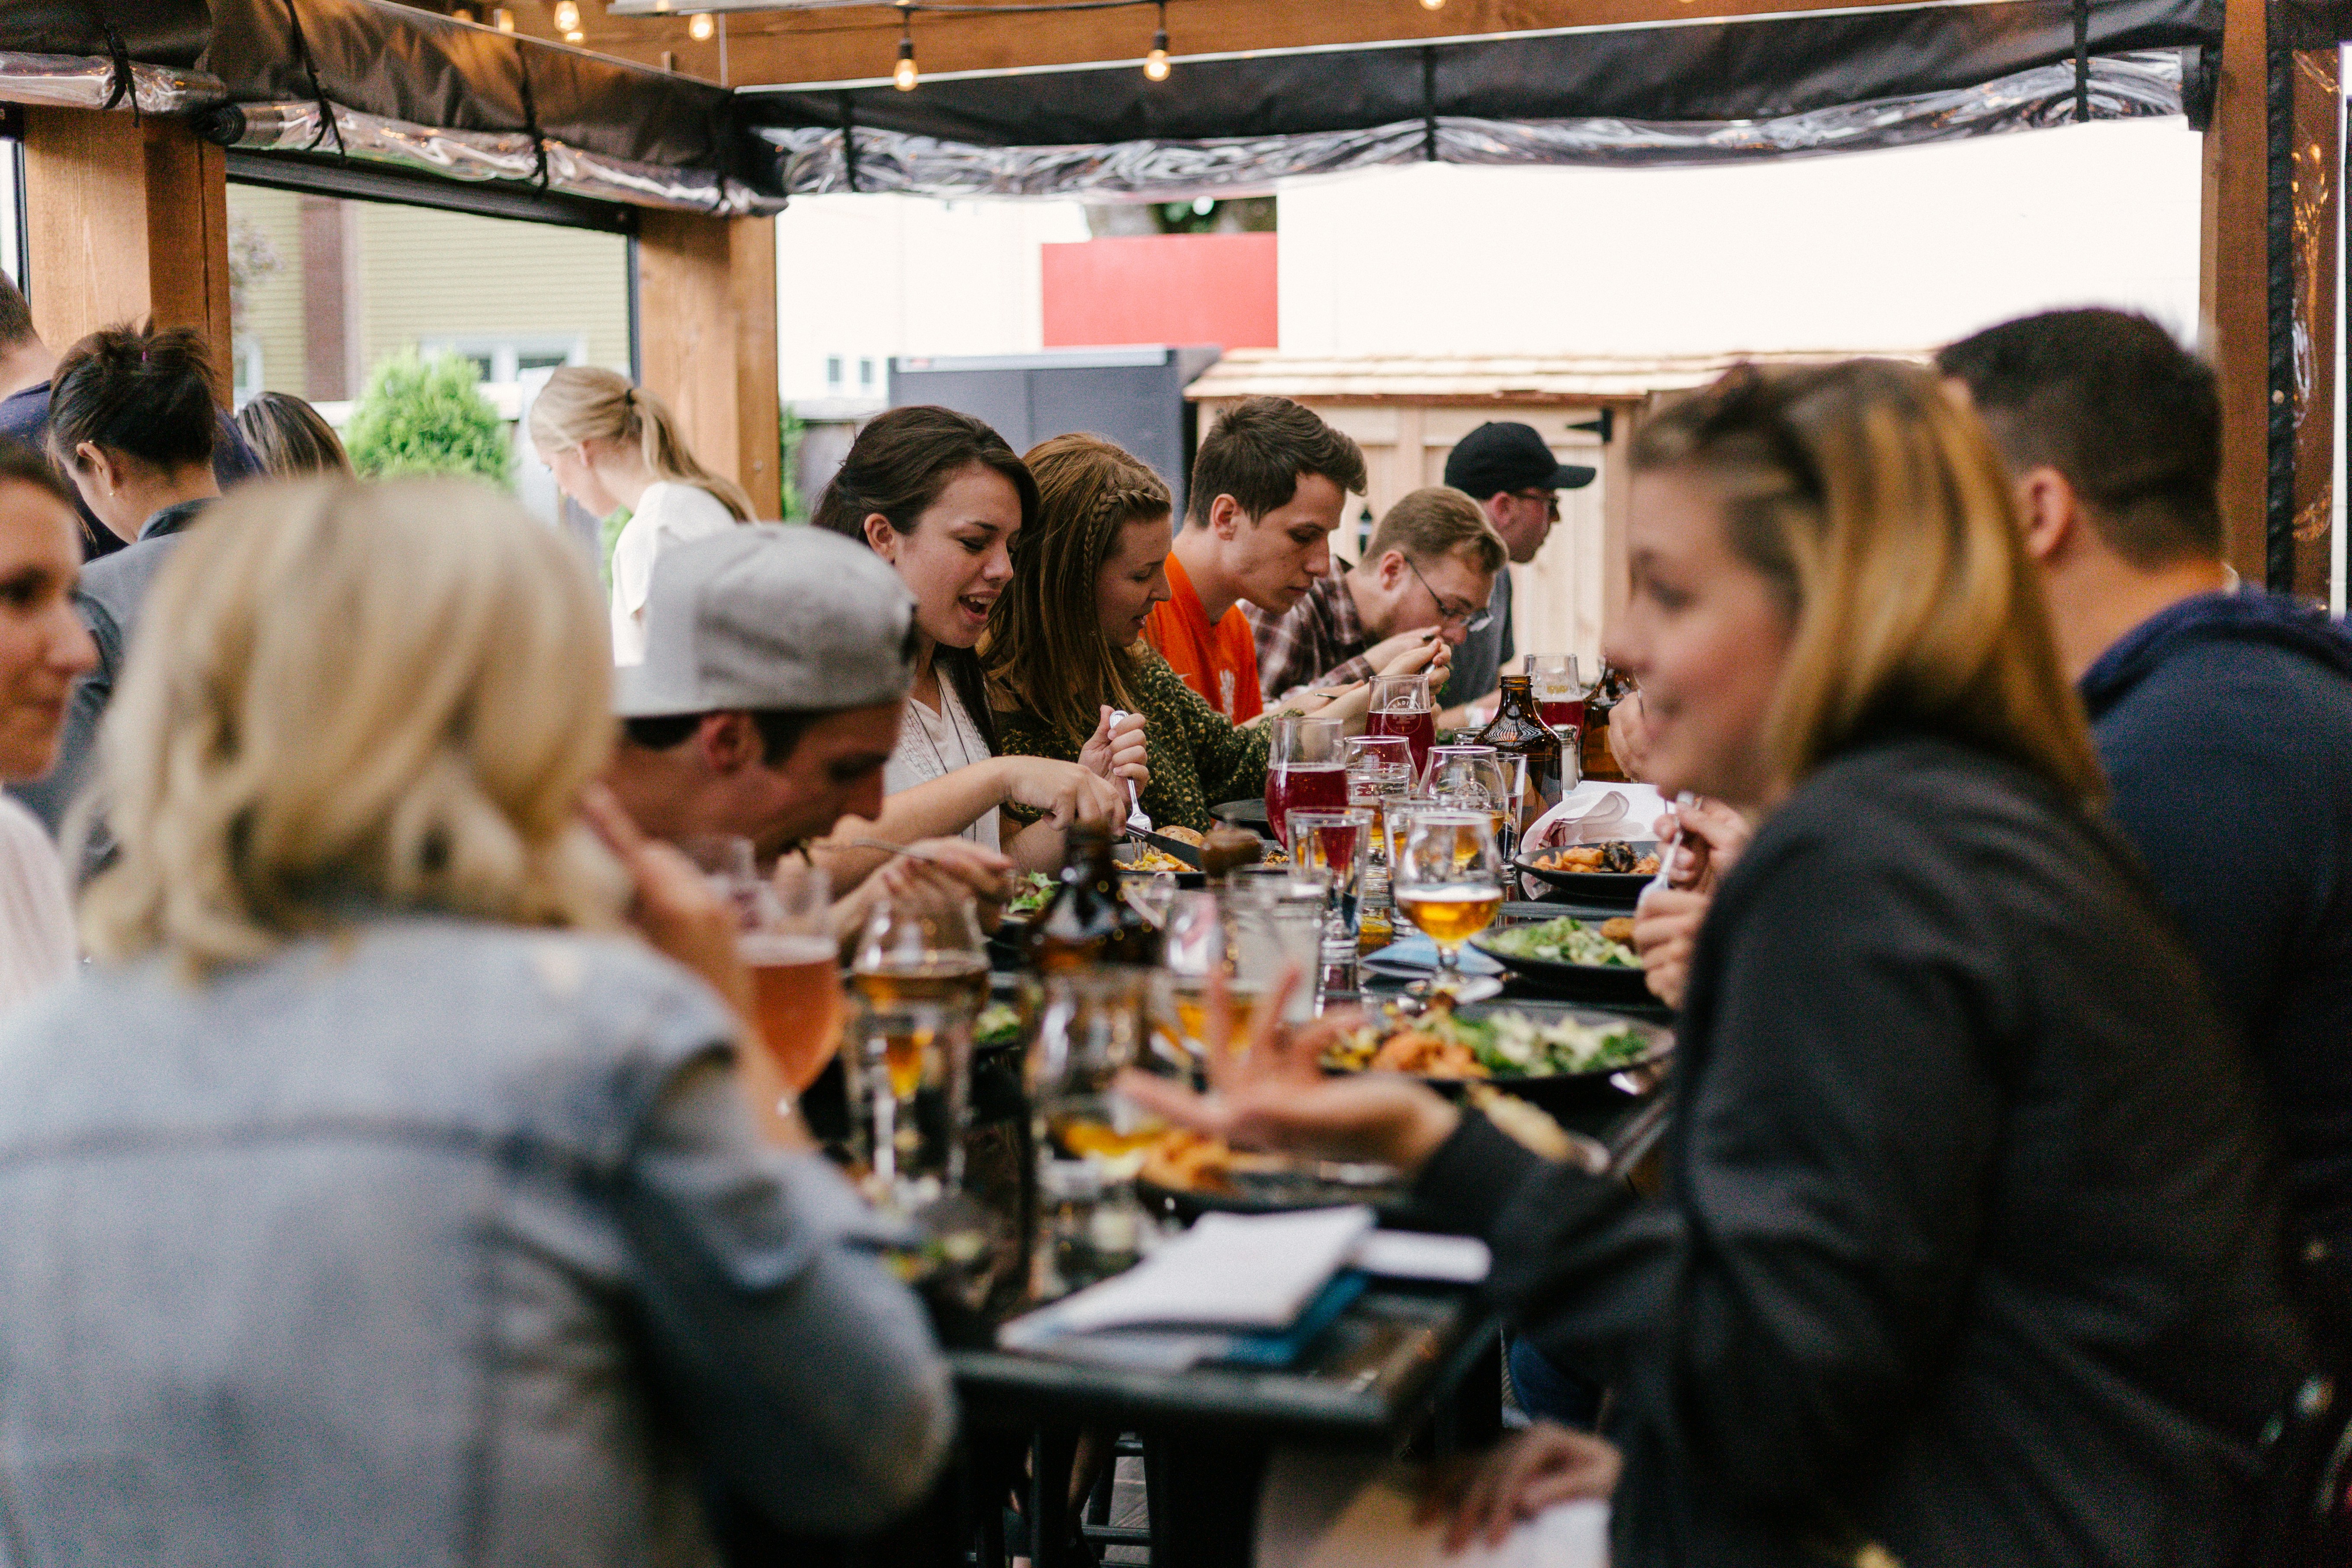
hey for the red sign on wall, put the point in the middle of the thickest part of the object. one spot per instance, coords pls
(1163, 289)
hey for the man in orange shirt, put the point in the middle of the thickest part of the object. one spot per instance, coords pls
(1267, 490)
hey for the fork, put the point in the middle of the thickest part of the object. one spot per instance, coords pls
(1138, 820)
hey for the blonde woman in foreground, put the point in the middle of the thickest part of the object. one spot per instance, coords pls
(611, 444)
(1969, 1249)
(379, 1197)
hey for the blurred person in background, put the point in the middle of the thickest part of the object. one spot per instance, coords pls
(1970, 1250)
(133, 422)
(1420, 591)
(611, 444)
(776, 664)
(941, 498)
(1268, 485)
(27, 367)
(290, 439)
(1066, 647)
(1509, 471)
(44, 647)
(2223, 719)
(373, 1125)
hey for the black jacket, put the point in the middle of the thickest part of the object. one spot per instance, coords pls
(1969, 1244)
(2225, 724)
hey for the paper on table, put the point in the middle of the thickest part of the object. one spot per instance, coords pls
(1320, 1511)
(1417, 1255)
(1229, 1271)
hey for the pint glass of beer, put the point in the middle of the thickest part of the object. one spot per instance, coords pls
(787, 945)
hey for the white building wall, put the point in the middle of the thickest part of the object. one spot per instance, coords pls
(1900, 249)
(861, 278)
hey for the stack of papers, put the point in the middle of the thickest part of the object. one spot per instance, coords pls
(1252, 1287)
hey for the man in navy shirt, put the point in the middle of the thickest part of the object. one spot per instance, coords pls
(25, 363)
(2224, 718)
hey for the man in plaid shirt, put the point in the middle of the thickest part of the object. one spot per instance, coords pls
(1421, 587)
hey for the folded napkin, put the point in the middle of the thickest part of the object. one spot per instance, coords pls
(1594, 812)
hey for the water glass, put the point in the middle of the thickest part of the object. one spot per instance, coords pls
(921, 972)
(1093, 1024)
(1198, 948)
(1338, 842)
(1275, 916)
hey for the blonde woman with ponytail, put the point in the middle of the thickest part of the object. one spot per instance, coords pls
(611, 444)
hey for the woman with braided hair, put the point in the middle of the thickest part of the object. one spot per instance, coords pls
(611, 444)
(1064, 647)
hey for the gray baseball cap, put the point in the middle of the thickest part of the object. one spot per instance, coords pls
(770, 615)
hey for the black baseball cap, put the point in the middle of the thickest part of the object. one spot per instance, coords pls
(1500, 455)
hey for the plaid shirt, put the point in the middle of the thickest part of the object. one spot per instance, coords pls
(1318, 641)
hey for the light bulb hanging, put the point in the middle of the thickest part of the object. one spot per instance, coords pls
(905, 77)
(699, 27)
(1432, 5)
(1155, 64)
(567, 16)
(504, 19)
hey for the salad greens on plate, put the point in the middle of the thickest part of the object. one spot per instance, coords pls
(1030, 893)
(1562, 940)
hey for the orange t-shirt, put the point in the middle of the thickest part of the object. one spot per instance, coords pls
(1219, 662)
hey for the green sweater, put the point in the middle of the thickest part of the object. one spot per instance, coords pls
(1198, 757)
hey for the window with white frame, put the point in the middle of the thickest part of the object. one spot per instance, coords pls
(504, 359)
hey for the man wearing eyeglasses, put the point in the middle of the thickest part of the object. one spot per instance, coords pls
(1421, 587)
(1515, 480)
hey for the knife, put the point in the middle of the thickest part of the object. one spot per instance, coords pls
(1187, 853)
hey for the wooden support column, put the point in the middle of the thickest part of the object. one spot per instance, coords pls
(128, 220)
(2234, 281)
(707, 340)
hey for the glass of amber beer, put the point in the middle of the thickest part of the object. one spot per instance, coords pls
(787, 945)
(1448, 880)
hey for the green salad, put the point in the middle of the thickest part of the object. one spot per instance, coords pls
(1030, 893)
(1513, 1045)
(1562, 941)
(999, 1024)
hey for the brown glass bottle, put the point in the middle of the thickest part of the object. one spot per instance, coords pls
(1519, 730)
(1088, 920)
(1599, 762)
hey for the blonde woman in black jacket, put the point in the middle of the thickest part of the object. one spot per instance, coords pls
(1969, 1249)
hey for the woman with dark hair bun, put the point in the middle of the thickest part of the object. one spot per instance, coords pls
(133, 416)
(941, 497)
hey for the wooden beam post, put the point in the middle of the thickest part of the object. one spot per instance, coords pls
(128, 220)
(2235, 280)
(707, 340)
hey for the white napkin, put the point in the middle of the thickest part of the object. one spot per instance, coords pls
(1593, 812)
(1321, 1510)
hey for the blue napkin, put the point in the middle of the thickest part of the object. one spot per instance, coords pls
(1416, 955)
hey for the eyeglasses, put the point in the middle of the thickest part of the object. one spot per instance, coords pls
(1471, 619)
(1550, 499)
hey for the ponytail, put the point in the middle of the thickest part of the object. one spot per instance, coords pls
(587, 402)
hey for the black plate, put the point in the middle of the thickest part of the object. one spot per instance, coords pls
(1188, 881)
(1282, 1194)
(1618, 890)
(1599, 982)
(1570, 1094)
(1250, 813)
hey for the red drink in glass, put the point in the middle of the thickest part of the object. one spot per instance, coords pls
(1303, 786)
(1417, 726)
(1561, 714)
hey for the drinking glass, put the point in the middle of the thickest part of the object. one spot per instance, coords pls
(1559, 692)
(1275, 914)
(1403, 705)
(727, 862)
(1338, 843)
(1448, 880)
(1199, 946)
(1477, 778)
(921, 971)
(1379, 770)
(1090, 1139)
(797, 996)
(1306, 770)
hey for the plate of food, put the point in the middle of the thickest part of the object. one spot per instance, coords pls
(1612, 872)
(1243, 814)
(1583, 958)
(1558, 1058)
(1186, 1175)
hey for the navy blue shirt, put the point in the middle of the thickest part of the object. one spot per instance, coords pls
(2225, 724)
(26, 416)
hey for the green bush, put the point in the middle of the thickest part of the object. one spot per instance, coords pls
(428, 417)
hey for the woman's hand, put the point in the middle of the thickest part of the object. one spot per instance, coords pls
(936, 868)
(1527, 1472)
(1063, 792)
(1665, 931)
(1273, 1094)
(1713, 839)
(1116, 750)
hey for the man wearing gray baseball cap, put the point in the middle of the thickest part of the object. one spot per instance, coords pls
(777, 659)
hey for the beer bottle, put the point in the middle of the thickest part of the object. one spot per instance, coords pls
(1088, 920)
(1599, 762)
(1519, 730)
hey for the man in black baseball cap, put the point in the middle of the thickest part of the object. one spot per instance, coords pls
(1513, 475)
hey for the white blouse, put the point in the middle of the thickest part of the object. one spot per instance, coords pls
(933, 744)
(36, 924)
(665, 515)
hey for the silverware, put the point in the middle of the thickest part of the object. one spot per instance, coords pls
(1138, 820)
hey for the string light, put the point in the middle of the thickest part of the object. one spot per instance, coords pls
(503, 18)
(1432, 5)
(1155, 64)
(905, 77)
(700, 27)
(567, 16)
